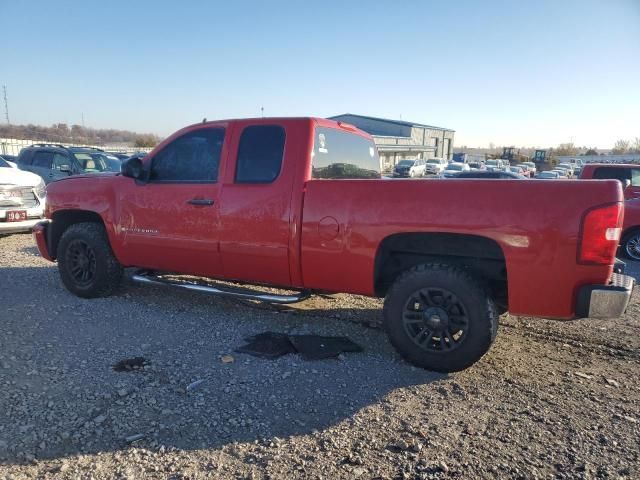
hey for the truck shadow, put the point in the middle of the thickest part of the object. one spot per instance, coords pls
(61, 397)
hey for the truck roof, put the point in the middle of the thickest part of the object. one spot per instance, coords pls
(324, 122)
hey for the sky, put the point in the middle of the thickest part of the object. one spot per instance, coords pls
(524, 73)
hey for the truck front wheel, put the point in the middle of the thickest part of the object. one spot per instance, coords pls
(439, 318)
(86, 263)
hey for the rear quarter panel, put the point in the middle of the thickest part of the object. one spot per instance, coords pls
(536, 223)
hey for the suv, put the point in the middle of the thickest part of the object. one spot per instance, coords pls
(410, 168)
(436, 165)
(54, 162)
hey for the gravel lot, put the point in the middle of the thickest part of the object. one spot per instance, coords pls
(551, 399)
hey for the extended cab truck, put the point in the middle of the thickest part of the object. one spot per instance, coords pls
(629, 177)
(628, 174)
(258, 201)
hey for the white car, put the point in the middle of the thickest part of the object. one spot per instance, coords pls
(566, 167)
(22, 199)
(410, 168)
(436, 165)
(531, 166)
(454, 168)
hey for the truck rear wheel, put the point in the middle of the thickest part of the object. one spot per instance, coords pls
(86, 263)
(439, 318)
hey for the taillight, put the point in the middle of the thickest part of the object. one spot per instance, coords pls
(600, 234)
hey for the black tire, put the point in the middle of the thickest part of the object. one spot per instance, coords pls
(86, 263)
(439, 318)
(630, 245)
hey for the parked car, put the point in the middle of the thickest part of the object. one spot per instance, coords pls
(410, 168)
(454, 168)
(477, 165)
(54, 162)
(491, 174)
(119, 155)
(438, 252)
(518, 171)
(6, 159)
(22, 199)
(436, 166)
(567, 167)
(548, 175)
(562, 173)
(531, 166)
(495, 164)
(627, 173)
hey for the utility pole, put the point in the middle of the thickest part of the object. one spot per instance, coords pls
(262, 111)
(6, 104)
(82, 119)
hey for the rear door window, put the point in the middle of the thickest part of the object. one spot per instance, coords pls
(42, 160)
(343, 155)
(603, 173)
(260, 154)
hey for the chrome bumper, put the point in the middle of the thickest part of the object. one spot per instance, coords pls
(605, 301)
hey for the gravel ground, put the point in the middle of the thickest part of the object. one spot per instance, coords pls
(550, 400)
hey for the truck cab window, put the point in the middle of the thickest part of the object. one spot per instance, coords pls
(260, 154)
(338, 154)
(191, 158)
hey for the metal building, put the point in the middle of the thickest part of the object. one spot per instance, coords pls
(397, 139)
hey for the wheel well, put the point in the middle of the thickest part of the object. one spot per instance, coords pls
(480, 256)
(629, 230)
(62, 220)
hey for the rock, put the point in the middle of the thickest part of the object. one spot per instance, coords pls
(443, 466)
(358, 471)
(134, 438)
(99, 419)
(123, 392)
(227, 359)
(612, 382)
(583, 375)
(286, 375)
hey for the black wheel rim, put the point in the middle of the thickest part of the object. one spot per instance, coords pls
(435, 320)
(81, 262)
(633, 247)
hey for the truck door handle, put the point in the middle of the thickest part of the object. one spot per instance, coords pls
(202, 202)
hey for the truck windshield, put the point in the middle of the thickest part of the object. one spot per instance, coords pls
(434, 162)
(406, 163)
(338, 154)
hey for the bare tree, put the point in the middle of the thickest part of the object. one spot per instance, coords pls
(620, 147)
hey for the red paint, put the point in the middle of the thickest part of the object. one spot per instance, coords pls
(325, 234)
(588, 170)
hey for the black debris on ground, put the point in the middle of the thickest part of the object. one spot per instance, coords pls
(130, 364)
(267, 345)
(315, 347)
(272, 345)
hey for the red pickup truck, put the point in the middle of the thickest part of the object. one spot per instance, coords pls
(629, 176)
(299, 203)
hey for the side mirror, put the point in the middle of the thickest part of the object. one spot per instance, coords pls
(66, 169)
(132, 168)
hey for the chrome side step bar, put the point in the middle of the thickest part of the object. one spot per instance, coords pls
(151, 279)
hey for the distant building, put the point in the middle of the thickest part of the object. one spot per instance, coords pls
(397, 139)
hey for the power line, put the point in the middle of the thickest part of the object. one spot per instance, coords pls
(6, 104)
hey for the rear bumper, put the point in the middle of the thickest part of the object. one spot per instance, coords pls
(605, 301)
(40, 231)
